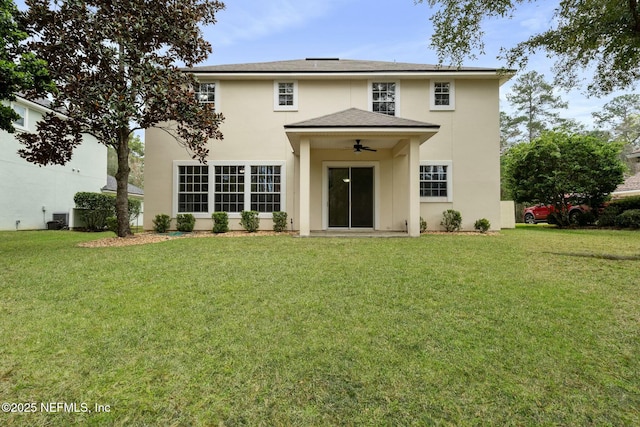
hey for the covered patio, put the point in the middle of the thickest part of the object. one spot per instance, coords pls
(358, 171)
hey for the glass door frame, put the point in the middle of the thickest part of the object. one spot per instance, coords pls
(326, 165)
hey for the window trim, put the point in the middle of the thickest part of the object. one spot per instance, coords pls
(247, 187)
(370, 94)
(449, 165)
(25, 125)
(276, 96)
(452, 95)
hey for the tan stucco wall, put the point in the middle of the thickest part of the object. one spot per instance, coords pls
(468, 137)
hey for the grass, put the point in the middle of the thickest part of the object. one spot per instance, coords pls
(443, 330)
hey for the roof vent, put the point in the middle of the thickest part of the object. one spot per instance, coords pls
(322, 59)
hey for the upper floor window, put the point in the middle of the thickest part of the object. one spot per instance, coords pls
(22, 112)
(285, 96)
(206, 93)
(442, 95)
(384, 97)
(435, 181)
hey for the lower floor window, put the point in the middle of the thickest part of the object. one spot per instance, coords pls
(435, 181)
(235, 188)
(229, 188)
(193, 188)
(265, 188)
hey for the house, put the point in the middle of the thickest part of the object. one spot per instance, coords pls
(33, 195)
(338, 144)
(631, 185)
(133, 191)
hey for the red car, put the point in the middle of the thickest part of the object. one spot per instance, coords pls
(540, 213)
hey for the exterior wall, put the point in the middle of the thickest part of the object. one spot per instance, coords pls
(31, 194)
(253, 131)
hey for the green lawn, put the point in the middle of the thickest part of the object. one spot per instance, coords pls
(534, 326)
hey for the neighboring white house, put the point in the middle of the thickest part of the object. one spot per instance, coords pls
(339, 145)
(30, 195)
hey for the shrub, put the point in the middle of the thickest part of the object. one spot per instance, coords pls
(482, 225)
(451, 220)
(185, 222)
(112, 224)
(161, 223)
(250, 221)
(220, 222)
(279, 221)
(629, 219)
(607, 217)
(95, 208)
(626, 203)
(423, 225)
(135, 207)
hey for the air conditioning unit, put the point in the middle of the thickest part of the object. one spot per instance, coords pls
(62, 218)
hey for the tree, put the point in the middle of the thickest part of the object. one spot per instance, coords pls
(598, 35)
(534, 103)
(20, 71)
(621, 116)
(559, 169)
(510, 132)
(136, 161)
(114, 63)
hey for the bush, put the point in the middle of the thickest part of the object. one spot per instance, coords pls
(95, 209)
(629, 219)
(607, 217)
(279, 221)
(423, 225)
(112, 224)
(250, 221)
(626, 203)
(451, 220)
(135, 206)
(220, 222)
(185, 222)
(482, 225)
(161, 223)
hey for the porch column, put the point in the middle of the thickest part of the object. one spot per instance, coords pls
(305, 187)
(413, 217)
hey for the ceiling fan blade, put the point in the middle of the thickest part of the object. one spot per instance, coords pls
(369, 149)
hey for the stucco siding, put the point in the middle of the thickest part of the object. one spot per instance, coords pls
(468, 137)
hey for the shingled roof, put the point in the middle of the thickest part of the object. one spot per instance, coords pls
(112, 187)
(330, 66)
(356, 118)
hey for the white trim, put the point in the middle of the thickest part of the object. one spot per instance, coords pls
(350, 164)
(247, 188)
(452, 95)
(276, 98)
(449, 165)
(370, 93)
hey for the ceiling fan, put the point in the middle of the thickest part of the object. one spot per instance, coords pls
(358, 148)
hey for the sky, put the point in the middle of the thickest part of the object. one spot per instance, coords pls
(391, 30)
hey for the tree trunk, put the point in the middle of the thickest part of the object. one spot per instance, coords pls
(122, 180)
